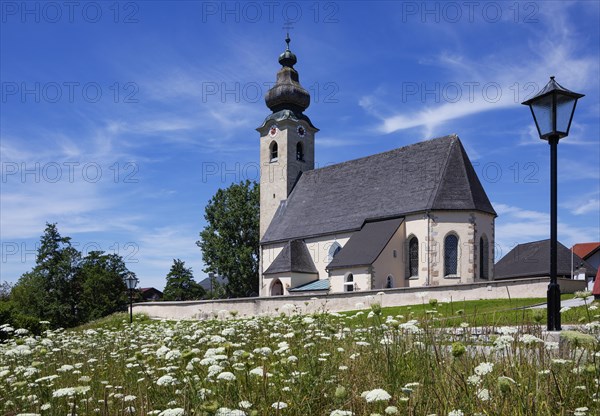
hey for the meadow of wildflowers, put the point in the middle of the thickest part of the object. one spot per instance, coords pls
(320, 364)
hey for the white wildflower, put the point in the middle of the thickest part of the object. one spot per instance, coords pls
(338, 412)
(178, 411)
(166, 380)
(226, 375)
(484, 368)
(376, 395)
(483, 395)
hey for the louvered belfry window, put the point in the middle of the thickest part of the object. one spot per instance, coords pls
(450, 255)
(413, 257)
(299, 152)
(274, 152)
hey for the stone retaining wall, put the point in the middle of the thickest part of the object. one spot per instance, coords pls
(521, 288)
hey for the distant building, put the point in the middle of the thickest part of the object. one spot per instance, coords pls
(151, 293)
(209, 284)
(589, 252)
(413, 216)
(533, 260)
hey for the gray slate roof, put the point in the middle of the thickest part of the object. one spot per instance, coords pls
(364, 246)
(295, 258)
(533, 259)
(433, 174)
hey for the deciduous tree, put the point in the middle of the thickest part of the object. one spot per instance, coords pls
(230, 240)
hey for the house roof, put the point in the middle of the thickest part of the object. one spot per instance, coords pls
(585, 250)
(533, 259)
(294, 258)
(149, 289)
(433, 174)
(364, 246)
(207, 284)
(315, 285)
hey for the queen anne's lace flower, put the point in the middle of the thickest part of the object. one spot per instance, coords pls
(178, 411)
(166, 380)
(376, 395)
(227, 376)
(484, 368)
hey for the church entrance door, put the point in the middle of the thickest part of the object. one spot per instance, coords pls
(277, 288)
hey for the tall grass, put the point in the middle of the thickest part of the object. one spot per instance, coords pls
(365, 363)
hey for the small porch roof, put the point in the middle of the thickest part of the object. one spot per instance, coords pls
(322, 284)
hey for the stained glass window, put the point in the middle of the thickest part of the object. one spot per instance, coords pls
(450, 255)
(484, 258)
(413, 257)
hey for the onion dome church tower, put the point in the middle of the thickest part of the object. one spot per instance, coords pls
(287, 139)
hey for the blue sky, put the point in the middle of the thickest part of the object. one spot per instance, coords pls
(119, 121)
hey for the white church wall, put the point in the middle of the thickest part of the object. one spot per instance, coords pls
(361, 277)
(468, 227)
(268, 255)
(390, 262)
(288, 281)
(319, 248)
(299, 279)
(416, 225)
(285, 279)
(501, 289)
(462, 225)
(484, 225)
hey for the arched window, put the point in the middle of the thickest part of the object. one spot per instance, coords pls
(484, 257)
(389, 283)
(349, 283)
(334, 250)
(450, 255)
(299, 152)
(273, 150)
(413, 257)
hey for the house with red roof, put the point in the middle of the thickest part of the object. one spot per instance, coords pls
(589, 252)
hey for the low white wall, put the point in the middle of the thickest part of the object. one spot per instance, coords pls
(521, 288)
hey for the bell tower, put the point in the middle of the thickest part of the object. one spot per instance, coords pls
(287, 139)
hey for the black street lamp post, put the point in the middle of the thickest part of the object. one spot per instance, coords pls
(131, 281)
(552, 109)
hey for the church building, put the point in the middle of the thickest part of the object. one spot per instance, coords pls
(413, 216)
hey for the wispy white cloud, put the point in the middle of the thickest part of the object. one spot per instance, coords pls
(516, 225)
(584, 204)
(499, 80)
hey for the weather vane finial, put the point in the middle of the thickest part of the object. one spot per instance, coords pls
(287, 40)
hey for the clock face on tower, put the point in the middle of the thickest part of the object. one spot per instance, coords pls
(301, 131)
(273, 130)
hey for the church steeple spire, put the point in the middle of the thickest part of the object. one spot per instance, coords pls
(287, 93)
(287, 139)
